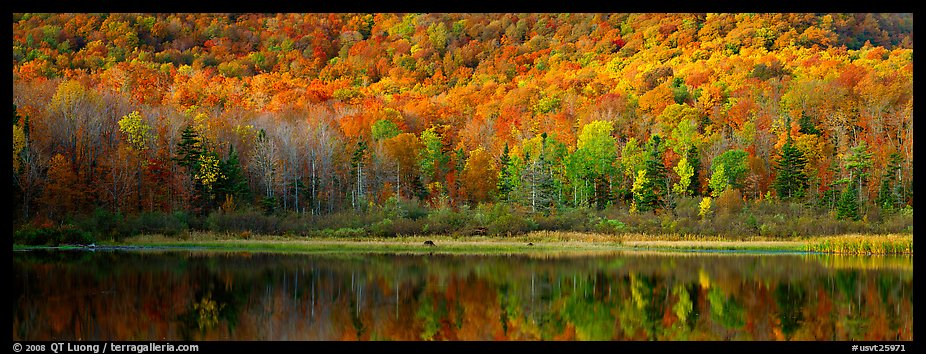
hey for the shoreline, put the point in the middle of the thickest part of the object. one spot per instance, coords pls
(538, 242)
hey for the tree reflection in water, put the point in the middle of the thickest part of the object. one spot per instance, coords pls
(607, 296)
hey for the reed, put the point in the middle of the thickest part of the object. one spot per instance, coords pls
(862, 244)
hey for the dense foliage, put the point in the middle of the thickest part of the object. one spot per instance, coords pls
(321, 114)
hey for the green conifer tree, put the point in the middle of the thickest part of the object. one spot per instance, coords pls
(654, 190)
(847, 207)
(790, 180)
(890, 196)
(504, 176)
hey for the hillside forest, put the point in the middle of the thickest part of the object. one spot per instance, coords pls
(359, 124)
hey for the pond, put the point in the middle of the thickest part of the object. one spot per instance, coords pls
(613, 295)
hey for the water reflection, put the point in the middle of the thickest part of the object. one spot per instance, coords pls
(615, 296)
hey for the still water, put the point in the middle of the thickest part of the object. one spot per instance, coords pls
(207, 295)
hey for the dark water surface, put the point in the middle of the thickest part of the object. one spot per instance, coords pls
(207, 295)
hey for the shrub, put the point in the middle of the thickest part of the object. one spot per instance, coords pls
(508, 224)
(395, 208)
(154, 223)
(730, 201)
(611, 226)
(445, 221)
(752, 223)
(566, 220)
(52, 236)
(669, 224)
(103, 223)
(382, 228)
(687, 208)
(704, 208)
(347, 232)
(250, 220)
(406, 227)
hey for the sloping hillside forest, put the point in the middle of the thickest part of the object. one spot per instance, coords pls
(345, 125)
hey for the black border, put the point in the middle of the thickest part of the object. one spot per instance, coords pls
(472, 6)
(506, 346)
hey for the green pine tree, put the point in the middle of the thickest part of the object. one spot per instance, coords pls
(189, 149)
(847, 207)
(694, 187)
(890, 195)
(858, 163)
(654, 190)
(790, 180)
(504, 176)
(356, 172)
(233, 182)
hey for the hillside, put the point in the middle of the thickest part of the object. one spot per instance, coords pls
(324, 113)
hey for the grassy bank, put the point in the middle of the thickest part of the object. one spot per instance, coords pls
(541, 241)
(761, 219)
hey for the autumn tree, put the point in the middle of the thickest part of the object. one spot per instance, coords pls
(685, 173)
(100, 89)
(404, 149)
(480, 177)
(433, 162)
(537, 180)
(63, 194)
(719, 182)
(28, 165)
(384, 129)
(594, 162)
(266, 162)
(357, 159)
(208, 175)
(735, 167)
(80, 127)
(137, 134)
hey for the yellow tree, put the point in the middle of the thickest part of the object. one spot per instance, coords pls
(403, 149)
(480, 176)
(137, 131)
(19, 143)
(138, 136)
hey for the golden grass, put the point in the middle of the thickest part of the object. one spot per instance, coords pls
(862, 244)
(542, 241)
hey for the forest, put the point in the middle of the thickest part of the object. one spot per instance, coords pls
(475, 124)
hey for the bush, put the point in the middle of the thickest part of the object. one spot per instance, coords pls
(102, 223)
(898, 223)
(567, 220)
(52, 236)
(395, 208)
(382, 228)
(345, 232)
(155, 223)
(687, 208)
(610, 226)
(250, 220)
(445, 221)
(508, 224)
(730, 201)
(406, 227)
